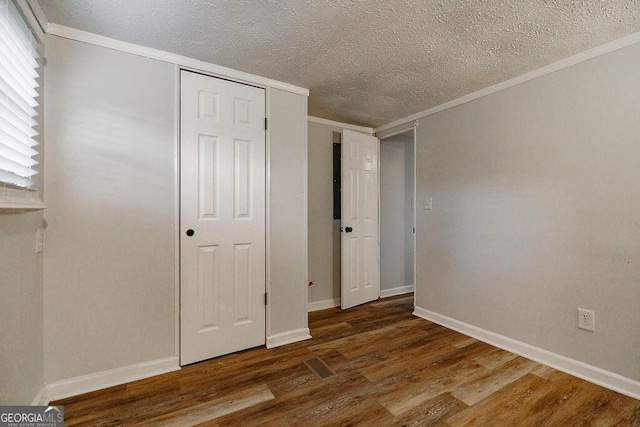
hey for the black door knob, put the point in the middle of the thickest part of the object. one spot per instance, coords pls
(190, 232)
(348, 229)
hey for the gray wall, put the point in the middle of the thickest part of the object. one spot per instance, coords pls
(536, 211)
(109, 264)
(396, 212)
(21, 369)
(109, 280)
(324, 231)
(288, 206)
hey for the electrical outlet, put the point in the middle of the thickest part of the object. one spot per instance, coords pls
(586, 320)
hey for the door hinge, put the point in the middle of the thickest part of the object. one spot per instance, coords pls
(265, 124)
(265, 298)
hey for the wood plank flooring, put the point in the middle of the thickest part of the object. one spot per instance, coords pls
(391, 368)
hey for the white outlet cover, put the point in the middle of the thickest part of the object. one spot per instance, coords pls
(586, 319)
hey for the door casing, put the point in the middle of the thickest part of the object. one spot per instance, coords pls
(413, 129)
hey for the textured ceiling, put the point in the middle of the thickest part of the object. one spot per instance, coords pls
(366, 62)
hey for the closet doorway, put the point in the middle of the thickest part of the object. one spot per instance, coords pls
(397, 213)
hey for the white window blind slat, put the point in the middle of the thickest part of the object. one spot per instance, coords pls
(22, 56)
(16, 156)
(25, 56)
(16, 168)
(19, 101)
(20, 30)
(7, 80)
(17, 122)
(18, 181)
(18, 115)
(16, 112)
(20, 85)
(27, 53)
(15, 134)
(22, 76)
(19, 146)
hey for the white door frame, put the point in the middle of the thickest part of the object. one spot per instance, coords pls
(178, 198)
(406, 129)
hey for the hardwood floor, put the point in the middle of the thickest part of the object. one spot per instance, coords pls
(391, 368)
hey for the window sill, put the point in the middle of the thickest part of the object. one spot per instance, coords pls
(13, 200)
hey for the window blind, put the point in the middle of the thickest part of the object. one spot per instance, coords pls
(18, 92)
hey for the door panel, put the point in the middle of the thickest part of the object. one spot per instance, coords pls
(222, 159)
(360, 243)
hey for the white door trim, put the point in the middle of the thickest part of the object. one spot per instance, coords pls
(405, 129)
(177, 201)
(267, 214)
(415, 211)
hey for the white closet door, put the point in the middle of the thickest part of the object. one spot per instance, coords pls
(222, 217)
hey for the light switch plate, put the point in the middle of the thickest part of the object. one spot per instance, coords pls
(428, 203)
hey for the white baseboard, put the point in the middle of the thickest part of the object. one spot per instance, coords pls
(288, 337)
(573, 367)
(335, 302)
(41, 398)
(99, 380)
(323, 305)
(385, 293)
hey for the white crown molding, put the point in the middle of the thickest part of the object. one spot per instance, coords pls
(288, 337)
(548, 69)
(573, 367)
(327, 122)
(99, 380)
(323, 305)
(400, 290)
(398, 130)
(172, 58)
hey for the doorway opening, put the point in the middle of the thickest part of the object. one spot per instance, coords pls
(397, 213)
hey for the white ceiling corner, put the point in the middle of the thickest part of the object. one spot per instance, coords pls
(368, 63)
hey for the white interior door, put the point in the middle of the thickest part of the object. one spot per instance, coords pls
(359, 238)
(222, 217)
